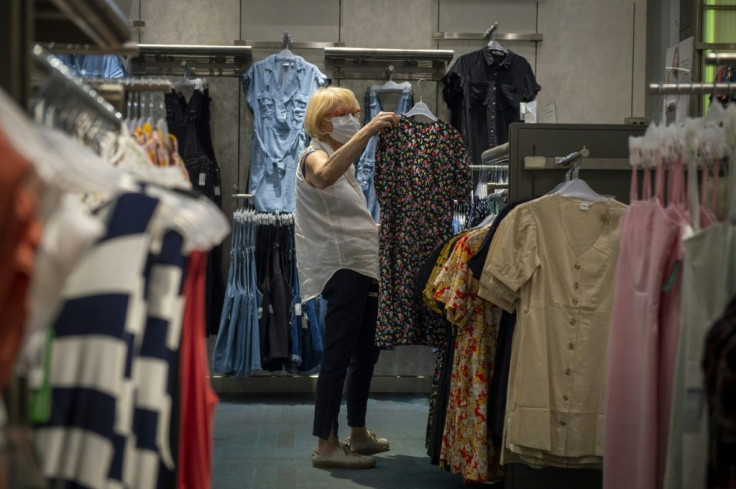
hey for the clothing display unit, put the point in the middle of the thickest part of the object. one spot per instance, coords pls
(112, 280)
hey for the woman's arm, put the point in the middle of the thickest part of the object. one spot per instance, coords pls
(323, 171)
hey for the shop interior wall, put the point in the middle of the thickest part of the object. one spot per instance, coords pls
(591, 64)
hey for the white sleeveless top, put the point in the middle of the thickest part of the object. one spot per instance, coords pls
(333, 229)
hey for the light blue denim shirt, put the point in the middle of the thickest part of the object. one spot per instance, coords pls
(367, 163)
(93, 65)
(277, 90)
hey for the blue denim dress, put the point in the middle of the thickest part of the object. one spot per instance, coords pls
(277, 90)
(367, 162)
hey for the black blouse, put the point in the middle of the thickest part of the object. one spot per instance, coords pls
(483, 90)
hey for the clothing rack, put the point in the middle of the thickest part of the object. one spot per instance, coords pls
(500, 166)
(75, 86)
(691, 88)
(133, 84)
(720, 59)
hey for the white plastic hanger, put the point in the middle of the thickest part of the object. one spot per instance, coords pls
(185, 81)
(420, 108)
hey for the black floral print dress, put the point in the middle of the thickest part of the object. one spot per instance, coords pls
(421, 169)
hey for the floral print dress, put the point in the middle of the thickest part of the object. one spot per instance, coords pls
(421, 169)
(466, 443)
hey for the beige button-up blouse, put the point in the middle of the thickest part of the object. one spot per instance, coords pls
(554, 260)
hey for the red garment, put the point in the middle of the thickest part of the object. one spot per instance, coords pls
(198, 400)
(20, 233)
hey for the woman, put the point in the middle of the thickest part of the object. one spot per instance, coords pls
(337, 256)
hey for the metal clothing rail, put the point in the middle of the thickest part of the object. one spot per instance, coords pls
(369, 63)
(479, 36)
(720, 58)
(210, 60)
(490, 167)
(75, 86)
(133, 84)
(691, 88)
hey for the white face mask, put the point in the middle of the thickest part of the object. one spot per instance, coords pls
(344, 127)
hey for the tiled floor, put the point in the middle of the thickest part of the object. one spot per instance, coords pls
(265, 442)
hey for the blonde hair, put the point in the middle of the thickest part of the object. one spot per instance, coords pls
(322, 102)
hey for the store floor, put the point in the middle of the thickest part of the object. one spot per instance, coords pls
(266, 442)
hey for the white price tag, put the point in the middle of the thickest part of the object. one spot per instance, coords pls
(305, 322)
(217, 190)
(298, 309)
(202, 177)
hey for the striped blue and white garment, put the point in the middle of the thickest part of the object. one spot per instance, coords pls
(155, 368)
(115, 356)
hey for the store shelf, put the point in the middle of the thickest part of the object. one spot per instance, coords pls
(174, 59)
(84, 22)
(403, 64)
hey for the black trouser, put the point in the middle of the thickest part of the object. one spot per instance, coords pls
(349, 350)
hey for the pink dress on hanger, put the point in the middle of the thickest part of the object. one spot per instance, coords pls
(648, 236)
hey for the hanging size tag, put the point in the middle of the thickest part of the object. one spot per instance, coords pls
(217, 191)
(672, 278)
(202, 177)
(584, 206)
(260, 313)
(298, 309)
(305, 322)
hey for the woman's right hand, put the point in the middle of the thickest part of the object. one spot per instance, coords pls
(381, 121)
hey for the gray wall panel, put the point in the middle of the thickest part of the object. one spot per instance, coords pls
(190, 21)
(267, 20)
(407, 24)
(585, 61)
(479, 15)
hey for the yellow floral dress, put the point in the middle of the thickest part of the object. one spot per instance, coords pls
(466, 445)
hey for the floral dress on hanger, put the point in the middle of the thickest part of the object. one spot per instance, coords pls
(466, 443)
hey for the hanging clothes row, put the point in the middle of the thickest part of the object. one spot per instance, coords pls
(264, 323)
(116, 292)
(675, 283)
(189, 121)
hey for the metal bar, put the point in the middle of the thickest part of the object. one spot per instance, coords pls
(542, 163)
(242, 196)
(59, 73)
(479, 36)
(294, 45)
(718, 7)
(133, 84)
(409, 54)
(719, 46)
(489, 167)
(720, 58)
(497, 185)
(691, 88)
(195, 50)
(126, 49)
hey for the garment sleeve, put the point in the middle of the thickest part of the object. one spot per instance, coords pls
(463, 178)
(382, 175)
(512, 260)
(453, 94)
(528, 83)
(249, 88)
